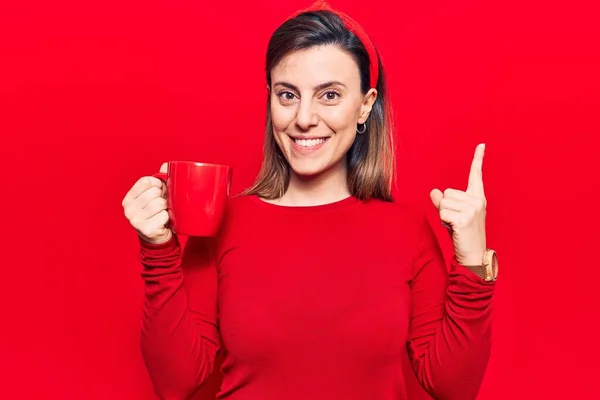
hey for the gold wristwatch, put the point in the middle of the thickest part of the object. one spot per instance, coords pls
(488, 270)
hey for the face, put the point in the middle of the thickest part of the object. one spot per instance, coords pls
(316, 104)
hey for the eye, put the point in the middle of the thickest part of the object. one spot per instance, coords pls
(286, 95)
(331, 95)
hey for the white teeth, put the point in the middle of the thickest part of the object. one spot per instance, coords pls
(309, 142)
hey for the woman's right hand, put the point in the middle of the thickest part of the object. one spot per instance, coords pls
(145, 207)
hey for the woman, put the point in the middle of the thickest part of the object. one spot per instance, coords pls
(319, 283)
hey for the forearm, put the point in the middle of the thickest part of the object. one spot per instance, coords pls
(450, 362)
(178, 345)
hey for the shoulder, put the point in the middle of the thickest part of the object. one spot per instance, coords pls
(241, 201)
(240, 205)
(242, 210)
(239, 218)
(409, 224)
(401, 213)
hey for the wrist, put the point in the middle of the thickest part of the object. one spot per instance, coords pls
(169, 243)
(156, 241)
(487, 266)
(473, 259)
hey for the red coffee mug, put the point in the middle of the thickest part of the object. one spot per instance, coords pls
(197, 196)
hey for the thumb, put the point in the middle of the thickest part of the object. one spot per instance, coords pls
(164, 168)
(436, 196)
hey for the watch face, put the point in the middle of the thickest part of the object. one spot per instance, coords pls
(491, 263)
(495, 265)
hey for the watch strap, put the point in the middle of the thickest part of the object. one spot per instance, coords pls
(488, 269)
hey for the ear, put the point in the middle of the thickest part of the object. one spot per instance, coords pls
(268, 88)
(367, 105)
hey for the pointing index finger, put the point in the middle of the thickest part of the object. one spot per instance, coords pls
(475, 185)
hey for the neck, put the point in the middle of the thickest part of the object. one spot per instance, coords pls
(328, 187)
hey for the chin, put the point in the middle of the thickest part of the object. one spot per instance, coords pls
(307, 169)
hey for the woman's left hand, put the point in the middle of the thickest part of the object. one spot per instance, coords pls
(463, 212)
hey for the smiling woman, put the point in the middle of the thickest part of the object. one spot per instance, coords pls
(315, 117)
(328, 118)
(303, 290)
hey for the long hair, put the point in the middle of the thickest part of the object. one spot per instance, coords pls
(370, 159)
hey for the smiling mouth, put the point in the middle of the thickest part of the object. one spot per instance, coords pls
(308, 143)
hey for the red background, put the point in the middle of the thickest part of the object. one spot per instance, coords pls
(95, 95)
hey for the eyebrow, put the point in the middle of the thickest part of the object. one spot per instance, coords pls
(316, 88)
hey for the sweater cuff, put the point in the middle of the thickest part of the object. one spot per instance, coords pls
(160, 255)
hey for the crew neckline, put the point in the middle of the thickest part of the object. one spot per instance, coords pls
(344, 203)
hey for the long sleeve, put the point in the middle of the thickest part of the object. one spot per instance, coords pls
(179, 333)
(450, 325)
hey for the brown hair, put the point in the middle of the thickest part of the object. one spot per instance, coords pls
(370, 159)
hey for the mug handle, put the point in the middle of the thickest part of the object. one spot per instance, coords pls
(161, 175)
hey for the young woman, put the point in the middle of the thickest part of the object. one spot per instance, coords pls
(319, 283)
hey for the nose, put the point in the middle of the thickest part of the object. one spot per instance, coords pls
(306, 117)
